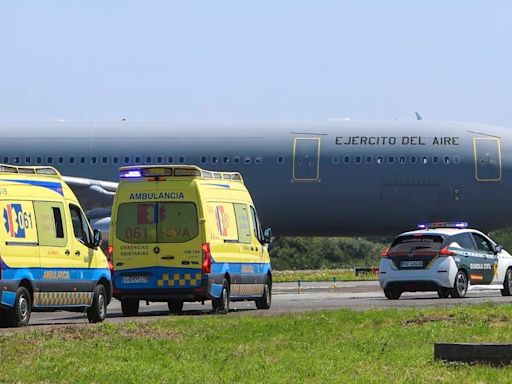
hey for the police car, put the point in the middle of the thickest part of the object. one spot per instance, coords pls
(448, 258)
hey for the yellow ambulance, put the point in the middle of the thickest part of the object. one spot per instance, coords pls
(49, 256)
(180, 233)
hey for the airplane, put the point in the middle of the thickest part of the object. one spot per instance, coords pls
(332, 178)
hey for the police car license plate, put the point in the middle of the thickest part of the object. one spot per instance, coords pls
(136, 279)
(411, 264)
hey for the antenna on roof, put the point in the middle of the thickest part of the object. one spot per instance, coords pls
(418, 116)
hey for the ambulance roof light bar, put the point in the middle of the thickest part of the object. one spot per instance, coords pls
(442, 224)
(132, 172)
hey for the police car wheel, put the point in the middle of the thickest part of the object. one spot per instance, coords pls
(392, 294)
(19, 315)
(443, 293)
(175, 306)
(130, 307)
(266, 300)
(460, 286)
(221, 305)
(507, 284)
(97, 312)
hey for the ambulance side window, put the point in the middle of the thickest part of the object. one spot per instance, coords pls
(242, 223)
(463, 239)
(256, 225)
(482, 243)
(50, 229)
(80, 227)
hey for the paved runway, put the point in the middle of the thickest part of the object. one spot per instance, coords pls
(286, 298)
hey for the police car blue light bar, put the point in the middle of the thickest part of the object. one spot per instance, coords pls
(130, 174)
(442, 224)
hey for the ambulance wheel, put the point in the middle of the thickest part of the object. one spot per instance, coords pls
(460, 286)
(443, 293)
(130, 307)
(266, 300)
(392, 294)
(221, 305)
(19, 315)
(97, 312)
(175, 306)
(507, 284)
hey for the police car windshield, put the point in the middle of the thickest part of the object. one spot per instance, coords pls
(410, 243)
(151, 222)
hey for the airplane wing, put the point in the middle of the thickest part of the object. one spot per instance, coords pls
(95, 196)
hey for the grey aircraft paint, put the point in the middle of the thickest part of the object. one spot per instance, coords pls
(329, 178)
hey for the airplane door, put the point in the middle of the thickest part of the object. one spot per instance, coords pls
(306, 159)
(487, 159)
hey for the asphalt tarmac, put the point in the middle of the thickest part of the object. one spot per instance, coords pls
(286, 298)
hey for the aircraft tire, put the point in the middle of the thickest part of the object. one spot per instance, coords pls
(97, 312)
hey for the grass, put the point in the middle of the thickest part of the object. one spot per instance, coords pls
(321, 275)
(344, 346)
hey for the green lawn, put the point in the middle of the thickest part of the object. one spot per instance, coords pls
(321, 275)
(378, 346)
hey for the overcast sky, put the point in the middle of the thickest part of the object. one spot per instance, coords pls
(261, 60)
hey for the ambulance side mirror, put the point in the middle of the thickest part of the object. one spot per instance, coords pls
(267, 236)
(97, 238)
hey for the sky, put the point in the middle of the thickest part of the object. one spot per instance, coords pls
(215, 61)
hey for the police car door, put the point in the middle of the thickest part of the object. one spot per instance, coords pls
(486, 266)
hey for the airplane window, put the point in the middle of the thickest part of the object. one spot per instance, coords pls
(6, 160)
(258, 160)
(369, 159)
(236, 160)
(16, 159)
(391, 159)
(137, 159)
(72, 160)
(27, 160)
(215, 159)
(94, 160)
(115, 160)
(435, 159)
(39, 160)
(401, 160)
(82, 160)
(61, 160)
(424, 160)
(159, 159)
(181, 160)
(49, 160)
(380, 160)
(225, 160)
(346, 160)
(456, 159)
(357, 159)
(170, 159)
(280, 159)
(148, 159)
(446, 159)
(336, 160)
(413, 159)
(126, 160)
(247, 160)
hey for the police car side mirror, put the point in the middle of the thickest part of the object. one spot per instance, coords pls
(498, 249)
(267, 236)
(97, 238)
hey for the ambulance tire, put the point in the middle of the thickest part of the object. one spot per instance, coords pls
(460, 286)
(266, 300)
(175, 306)
(221, 305)
(130, 307)
(97, 312)
(19, 315)
(507, 284)
(392, 294)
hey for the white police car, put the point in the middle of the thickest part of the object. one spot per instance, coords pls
(445, 257)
